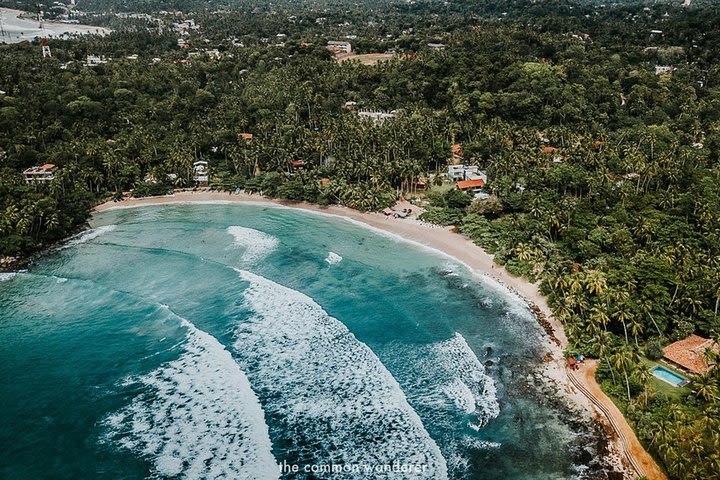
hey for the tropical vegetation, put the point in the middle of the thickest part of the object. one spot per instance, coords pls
(604, 174)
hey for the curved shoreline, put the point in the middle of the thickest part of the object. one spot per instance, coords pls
(443, 241)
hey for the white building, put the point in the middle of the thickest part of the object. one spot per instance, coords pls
(339, 47)
(376, 116)
(662, 69)
(466, 172)
(436, 46)
(95, 60)
(201, 175)
(41, 174)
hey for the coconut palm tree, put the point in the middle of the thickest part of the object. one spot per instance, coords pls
(645, 377)
(626, 360)
(706, 387)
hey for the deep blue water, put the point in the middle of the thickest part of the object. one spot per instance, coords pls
(218, 341)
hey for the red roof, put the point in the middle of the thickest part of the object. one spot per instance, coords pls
(247, 136)
(689, 353)
(48, 166)
(297, 163)
(549, 150)
(464, 184)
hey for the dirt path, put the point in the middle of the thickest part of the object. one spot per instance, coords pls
(630, 446)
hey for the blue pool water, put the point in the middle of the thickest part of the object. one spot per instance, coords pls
(670, 377)
(220, 341)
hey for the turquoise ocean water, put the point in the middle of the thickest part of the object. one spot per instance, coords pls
(225, 341)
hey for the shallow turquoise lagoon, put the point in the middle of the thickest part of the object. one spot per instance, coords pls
(221, 341)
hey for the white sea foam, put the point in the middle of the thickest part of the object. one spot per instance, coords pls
(257, 244)
(446, 375)
(198, 418)
(484, 278)
(88, 235)
(338, 403)
(461, 394)
(470, 387)
(445, 381)
(5, 276)
(479, 444)
(333, 258)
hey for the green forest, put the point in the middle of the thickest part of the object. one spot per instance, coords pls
(603, 174)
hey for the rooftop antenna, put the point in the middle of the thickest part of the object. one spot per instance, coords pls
(43, 39)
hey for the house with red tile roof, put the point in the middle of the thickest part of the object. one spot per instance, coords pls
(40, 174)
(690, 353)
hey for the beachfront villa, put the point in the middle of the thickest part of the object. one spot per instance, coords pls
(40, 174)
(688, 354)
(473, 187)
(200, 173)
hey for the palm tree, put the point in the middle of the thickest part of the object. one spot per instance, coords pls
(625, 359)
(645, 377)
(595, 282)
(706, 387)
(646, 306)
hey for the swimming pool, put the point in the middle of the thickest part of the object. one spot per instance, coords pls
(669, 376)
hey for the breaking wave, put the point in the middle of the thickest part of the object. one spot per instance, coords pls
(336, 402)
(333, 258)
(257, 244)
(5, 276)
(470, 389)
(446, 382)
(198, 417)
(88, 235)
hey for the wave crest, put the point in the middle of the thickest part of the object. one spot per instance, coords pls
(333, 258)
(257, 244)
(89, 235)
(326, 387)
(198, 418)
(5, 276)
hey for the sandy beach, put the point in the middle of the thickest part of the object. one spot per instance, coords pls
(462, 249)
(19, 26)
(425, 234)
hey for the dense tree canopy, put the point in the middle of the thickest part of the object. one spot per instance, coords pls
(604, 177)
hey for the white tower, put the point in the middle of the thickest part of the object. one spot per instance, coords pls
(45, 48)
(43, 39)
